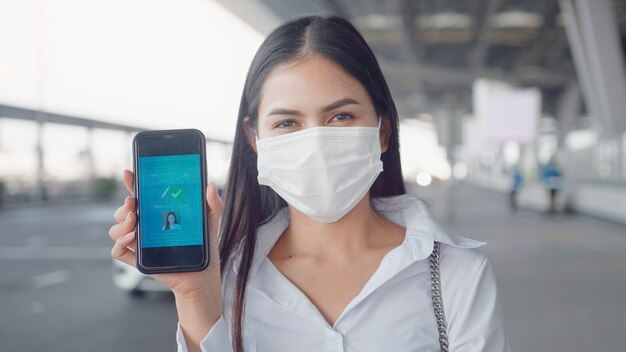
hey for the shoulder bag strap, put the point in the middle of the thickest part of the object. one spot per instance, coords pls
(435, 282)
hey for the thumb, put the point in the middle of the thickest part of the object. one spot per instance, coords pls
(216, 204)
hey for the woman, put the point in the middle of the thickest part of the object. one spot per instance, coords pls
(171, 222)
(320, 247)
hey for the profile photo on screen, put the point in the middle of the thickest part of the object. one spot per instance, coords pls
(171, 221)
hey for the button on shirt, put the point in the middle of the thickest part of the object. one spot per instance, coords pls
(393, 311)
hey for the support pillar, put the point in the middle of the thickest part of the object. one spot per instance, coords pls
(593, 36)
(449, 129)
(89, 155)
(42, 193)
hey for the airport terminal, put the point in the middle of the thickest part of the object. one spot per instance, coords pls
(512, 131)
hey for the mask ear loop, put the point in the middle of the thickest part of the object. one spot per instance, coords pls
(380, 120)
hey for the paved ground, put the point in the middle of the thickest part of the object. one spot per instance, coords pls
(56, 292)
(562, 279)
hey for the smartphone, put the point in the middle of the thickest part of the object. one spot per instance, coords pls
(172, 229)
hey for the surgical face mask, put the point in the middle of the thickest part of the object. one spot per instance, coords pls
(322, 171)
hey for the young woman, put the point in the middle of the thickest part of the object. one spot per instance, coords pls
(171, 222)
(320, 247)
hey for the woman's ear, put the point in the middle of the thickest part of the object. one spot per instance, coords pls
(250, 132)
(385, 133)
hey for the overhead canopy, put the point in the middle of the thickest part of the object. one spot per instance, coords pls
(152, 64)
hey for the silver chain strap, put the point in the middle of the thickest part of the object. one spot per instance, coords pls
(435, 284)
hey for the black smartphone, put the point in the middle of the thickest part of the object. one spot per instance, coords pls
(172, 227)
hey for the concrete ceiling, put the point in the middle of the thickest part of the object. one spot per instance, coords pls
(432, 50)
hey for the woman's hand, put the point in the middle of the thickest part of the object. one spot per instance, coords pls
(202, 285)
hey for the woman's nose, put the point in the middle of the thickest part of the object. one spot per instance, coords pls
(315, 123)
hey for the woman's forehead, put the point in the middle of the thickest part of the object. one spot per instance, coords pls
(309, 83)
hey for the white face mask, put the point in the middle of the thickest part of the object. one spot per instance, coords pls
(322, 171)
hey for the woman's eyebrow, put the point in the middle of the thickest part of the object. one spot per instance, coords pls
(335, 105)
(340, 103)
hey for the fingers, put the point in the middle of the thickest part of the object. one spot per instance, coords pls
(128, 181)
(118, 230)
(129, 202)
(123, 233)
(121, 251)
(127, 207)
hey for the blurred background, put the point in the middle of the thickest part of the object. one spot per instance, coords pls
(512, 112)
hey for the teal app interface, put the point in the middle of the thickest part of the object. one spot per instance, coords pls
(170, 200)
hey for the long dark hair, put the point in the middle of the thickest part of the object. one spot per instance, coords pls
(167, 220)
(247, 204)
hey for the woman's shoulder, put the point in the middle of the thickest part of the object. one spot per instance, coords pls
(462, 259)
(459, 254)
(413, 213)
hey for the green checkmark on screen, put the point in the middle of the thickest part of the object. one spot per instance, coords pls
(177, 193)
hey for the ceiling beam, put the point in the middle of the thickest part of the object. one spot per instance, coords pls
(549, 35)
(19, 113)
(478, 53)
(254, 13)
(7, 111)
(454, 78)
(405, 9)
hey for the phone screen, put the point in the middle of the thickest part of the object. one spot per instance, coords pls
(171, 200)
(170, 176)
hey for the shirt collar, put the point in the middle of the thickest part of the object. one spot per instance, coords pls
(405, 210)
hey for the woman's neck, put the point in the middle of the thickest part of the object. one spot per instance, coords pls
(352, 234)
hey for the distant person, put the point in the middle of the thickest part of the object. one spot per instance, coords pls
(171, 223)
(551, 177)
(315, 247)
(516, 184)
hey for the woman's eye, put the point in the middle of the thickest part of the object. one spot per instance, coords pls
(342, 117)
(285, 124)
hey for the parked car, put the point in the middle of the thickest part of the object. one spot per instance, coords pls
(133, 281)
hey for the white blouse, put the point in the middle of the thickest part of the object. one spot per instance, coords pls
(393, 311)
